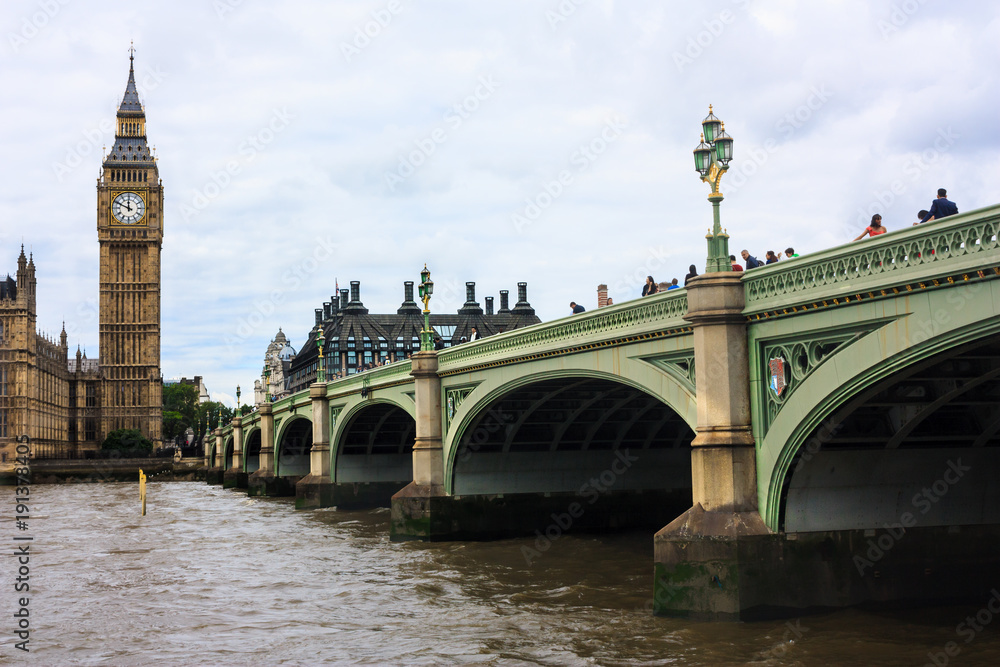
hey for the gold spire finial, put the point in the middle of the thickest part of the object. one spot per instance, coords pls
(709, 108)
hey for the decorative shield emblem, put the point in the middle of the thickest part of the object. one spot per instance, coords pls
(777, 367)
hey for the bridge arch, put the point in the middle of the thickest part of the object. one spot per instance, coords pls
(373, 443)
(227, 456)
(292, 446)
(869, 446)
(552, 431)
(251, 451)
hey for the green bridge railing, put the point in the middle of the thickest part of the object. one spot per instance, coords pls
(938, 250)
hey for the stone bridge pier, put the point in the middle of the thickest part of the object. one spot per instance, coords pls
(264, 482)
(235, 477)
(704, 559)
(216, 465)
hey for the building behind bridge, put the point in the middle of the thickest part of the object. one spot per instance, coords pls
(356, 338)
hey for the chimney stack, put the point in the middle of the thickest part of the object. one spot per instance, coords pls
(355, 291)
(319, 316)
(504, 302)
(408, 291)
(602, 296)
(522, 307)
(489, 305)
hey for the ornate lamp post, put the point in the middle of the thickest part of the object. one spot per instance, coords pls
(425, 290)
(320, 342)
(220, 415)
(267, 383)
(237, 399)
(711, 160)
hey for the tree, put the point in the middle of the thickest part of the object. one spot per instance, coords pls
(180, 404)
(130, 439)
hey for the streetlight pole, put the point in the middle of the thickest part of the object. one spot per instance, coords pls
(267, 383)
(238, 399)
(711, 160)
(320, 341)
(425, 290)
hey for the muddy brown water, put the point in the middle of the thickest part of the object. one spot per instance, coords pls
(212, 577)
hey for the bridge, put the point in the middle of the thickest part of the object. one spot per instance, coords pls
(820, 432)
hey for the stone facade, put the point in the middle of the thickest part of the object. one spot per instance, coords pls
(130, 232)
(43, 394)
(66, 404)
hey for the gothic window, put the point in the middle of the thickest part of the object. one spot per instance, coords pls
(90, 429)
(3, 381)
(91, 397)
(1, 333)
(3, 422)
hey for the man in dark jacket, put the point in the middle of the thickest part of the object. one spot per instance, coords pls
(940, 207)
(577, 308)
(752, 262)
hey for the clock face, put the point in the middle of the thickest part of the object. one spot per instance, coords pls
(128, 208)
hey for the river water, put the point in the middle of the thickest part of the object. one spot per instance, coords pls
(212, 577)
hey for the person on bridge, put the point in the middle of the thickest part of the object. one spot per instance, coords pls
(873, 229)
(673, 284)
(790, 252)
(577, 308)
(732, 260)
(650, 286)
(474, 335)
(752, 262)
(692, 273)
(771, 257)
(940, 207)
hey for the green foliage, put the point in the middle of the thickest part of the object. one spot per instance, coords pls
(181, 410)
(180, 403)
(127, 439)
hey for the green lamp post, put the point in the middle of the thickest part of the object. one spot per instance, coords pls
(237, 399)
(320, 341)
(220, 415)
(711, 160)
(267, 383)
(425, 290)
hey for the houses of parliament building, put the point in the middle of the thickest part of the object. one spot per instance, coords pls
(71, 403)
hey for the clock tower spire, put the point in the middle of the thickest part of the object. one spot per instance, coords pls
(130, 233)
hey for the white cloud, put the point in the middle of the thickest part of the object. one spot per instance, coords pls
(218, 81)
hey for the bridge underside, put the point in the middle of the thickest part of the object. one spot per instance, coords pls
(925, 441)
(565, 454)
(374, 459)
(251, 453)
(291, 462)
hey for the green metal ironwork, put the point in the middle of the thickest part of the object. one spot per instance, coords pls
(321, 370)
(426, 289)
(932, 251)
(711, 159)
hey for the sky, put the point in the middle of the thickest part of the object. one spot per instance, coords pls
(306, 143)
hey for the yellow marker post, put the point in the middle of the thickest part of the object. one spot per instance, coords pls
(142, 491)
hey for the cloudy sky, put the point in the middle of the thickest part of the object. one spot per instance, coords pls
(306, 142)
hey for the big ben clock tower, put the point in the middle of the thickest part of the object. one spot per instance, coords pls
(130, 232)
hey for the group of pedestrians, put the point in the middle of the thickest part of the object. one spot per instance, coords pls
(752, 262)
(941, 207)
